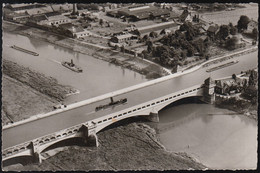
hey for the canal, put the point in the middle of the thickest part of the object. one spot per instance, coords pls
(188, 128)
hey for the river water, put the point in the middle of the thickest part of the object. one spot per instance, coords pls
(98, 77)
(211, 135)
(218, 140)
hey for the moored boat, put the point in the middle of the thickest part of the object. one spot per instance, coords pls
(222, 66)
(25, 50)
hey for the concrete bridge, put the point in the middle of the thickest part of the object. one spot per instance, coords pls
(88, 130)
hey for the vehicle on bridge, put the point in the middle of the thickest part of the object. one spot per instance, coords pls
(70, 65)
(112, 103)
(59, 106)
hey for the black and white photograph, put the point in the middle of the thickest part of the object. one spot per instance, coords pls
(90, 86)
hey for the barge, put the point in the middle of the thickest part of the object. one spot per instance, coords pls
(72, 66)
(112, 103)
(24, 50)
(222, 66)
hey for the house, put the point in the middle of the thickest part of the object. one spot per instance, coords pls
(251, 25)
(212, 30)
(185, 16)
(224, 87)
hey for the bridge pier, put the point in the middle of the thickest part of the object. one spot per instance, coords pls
(208, 91)
(35, 153)
(89, 135)
(153, 117)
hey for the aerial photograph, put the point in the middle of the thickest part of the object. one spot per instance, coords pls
(129, 86)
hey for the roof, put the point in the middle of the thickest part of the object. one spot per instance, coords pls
(212, 28)
(57, 17)
(39, 17)
(143, 12)
(59, 7)
(124, 36)
(72, 28)
(157, 27)
(34, 11)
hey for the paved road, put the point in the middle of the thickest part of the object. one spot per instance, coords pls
(31, 130)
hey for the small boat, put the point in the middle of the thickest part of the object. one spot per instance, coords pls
(222, 66)
(71, 66)
(25, 50)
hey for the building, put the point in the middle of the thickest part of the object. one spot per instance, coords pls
(73, 31)
(143, 12)
(22, 8)
(158, 28)
(212, 31)
(251, 25)
(122, 38)
(51, 18)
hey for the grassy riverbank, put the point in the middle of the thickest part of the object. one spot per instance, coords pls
(20, 101)
(41, 83)
(132, 146)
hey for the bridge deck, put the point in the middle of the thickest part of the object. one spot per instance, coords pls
(31, 130)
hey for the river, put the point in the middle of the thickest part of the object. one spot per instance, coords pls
(211, 135)
(196, 132)
(98, 77)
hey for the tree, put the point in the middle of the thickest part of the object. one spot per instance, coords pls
(101, 22)
(255, 33)
(234, 76)
(231, 43)
(149, 46)
(232, 29)
(242, 23)
(153, 34)
(223, 32)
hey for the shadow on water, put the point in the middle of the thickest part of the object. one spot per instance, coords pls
(187, 100)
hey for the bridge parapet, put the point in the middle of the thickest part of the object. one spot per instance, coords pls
(88, 130)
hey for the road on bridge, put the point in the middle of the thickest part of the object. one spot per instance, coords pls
(44, 126)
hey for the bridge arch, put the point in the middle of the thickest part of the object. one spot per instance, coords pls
(23, 159)
(60, 142)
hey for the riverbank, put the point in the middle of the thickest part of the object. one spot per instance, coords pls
(41, 83)
(243, 107)
(149, 69)
(131, 146)
(20, 101)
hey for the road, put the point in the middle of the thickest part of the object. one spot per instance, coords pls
(34, 129)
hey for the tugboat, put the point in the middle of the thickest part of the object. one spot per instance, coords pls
(70, 65)
(112, 103)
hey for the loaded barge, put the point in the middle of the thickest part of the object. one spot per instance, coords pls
(72, 66)
(222, 66)
(25, 50)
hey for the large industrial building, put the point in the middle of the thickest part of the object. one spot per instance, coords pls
(142, 12)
